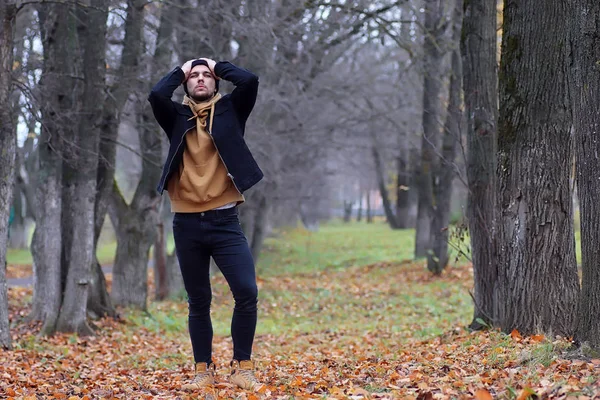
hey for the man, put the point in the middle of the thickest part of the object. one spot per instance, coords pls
(207, 170)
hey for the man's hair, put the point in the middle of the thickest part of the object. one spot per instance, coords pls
(195, 63)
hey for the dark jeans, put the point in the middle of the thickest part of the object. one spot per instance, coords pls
(216, 234)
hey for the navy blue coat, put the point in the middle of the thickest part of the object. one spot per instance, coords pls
(229, 124)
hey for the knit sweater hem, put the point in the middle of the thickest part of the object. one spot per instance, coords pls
(183, 206)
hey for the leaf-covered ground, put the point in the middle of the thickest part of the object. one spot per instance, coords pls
(327, 330)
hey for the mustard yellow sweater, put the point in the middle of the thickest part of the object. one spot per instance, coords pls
(202, 183)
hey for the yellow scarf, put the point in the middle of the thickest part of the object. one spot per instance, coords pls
(200, 111)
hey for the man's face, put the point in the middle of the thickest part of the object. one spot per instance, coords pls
(201, 83)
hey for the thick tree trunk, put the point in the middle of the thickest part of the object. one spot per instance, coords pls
(387, 206)
(8, 144)
(538, 279)
(136, 230)
(174, 277)
(57, 88)
(445, 171)
(99, 302)
(481, 94)
(585, 93)
(92, 32)
(136, 224)
(432, 88)
(360, 207)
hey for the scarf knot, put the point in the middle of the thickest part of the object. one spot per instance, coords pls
(202, 110)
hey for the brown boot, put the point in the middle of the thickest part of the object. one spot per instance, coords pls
(242, 375)
(205, 376)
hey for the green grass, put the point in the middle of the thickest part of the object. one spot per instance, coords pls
(314, 281)
(105, 253)
(335, 246)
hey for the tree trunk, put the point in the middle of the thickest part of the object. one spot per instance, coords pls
(92, 33)
(56, 87)
(413, 193)
(369, 213)
(445, 171)
(174, 277)
(432, 87)
(247, 212)
(162, 56)
(8, 145)
(348, 211)
(135, 228)
(387, 206)
(585, 93)
(402, 191)
(161, 277)
(260, 226)
(99, 302)
(360, 207)
(18, 230)
(481, 99)
(538, 279)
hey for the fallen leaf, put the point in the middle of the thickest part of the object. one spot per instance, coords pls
(515, 334)
(483, 394)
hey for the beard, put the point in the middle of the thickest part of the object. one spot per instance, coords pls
(201, 97)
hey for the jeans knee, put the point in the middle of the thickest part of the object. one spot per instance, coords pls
(199, 305)
(246, 297)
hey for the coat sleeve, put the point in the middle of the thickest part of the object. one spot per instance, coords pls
(244, 95)
(160, 99)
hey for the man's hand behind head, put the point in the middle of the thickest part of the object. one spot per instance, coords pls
(211, 65)
(187, 67)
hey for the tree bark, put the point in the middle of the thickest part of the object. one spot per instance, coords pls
(402, 191)
(348, 211)
(445, 172)
(135, 227)
(260, 225)
(92, 33)
(481, 94)
(360, 207)
(56, 88)
(161, 277)
(432, 87)
(99, 302)
(538, 279)
(387, 206)
(174, 277)
(585, 93)
(8, 144)
(163, 56)
(369, 213)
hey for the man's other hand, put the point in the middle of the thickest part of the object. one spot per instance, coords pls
(211, 65)
(187, 67)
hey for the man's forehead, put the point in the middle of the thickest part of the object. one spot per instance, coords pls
(200, 68)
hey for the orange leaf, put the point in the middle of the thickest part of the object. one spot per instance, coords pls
(515, 334)
(526, 393)
(483, 394)
(538, 338)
